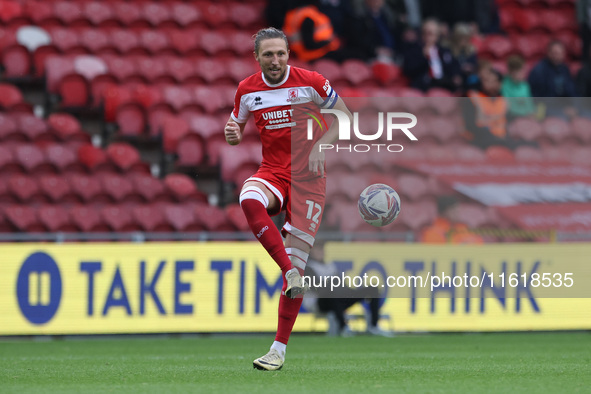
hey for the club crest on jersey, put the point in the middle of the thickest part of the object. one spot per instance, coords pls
(292, 96)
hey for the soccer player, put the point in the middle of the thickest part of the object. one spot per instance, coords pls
(292, 176)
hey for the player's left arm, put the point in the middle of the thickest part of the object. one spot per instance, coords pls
(317, 159)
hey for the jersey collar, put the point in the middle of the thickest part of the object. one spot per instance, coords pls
(271, 85)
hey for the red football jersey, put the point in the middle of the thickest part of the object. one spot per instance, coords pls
(281, 112)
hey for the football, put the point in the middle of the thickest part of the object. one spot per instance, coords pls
(379, 204)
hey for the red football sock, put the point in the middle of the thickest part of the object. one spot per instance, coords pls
(264, 229)
(288, 313)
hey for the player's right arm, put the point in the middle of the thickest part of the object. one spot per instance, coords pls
(233, 131)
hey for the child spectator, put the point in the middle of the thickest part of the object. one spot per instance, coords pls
(516, 89)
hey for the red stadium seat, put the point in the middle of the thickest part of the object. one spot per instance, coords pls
(444, 129)
(531, 46)
(497, 47)
(185, 15)
(211, 70)
(412, 186)
(185, 42)
(64, 39)
(214, 14)
(356, 72)
(8, 164)
(151, 68)
(70, 13)
(417, 215)
(190, 151)
(5, 225)
(99, 13)
(181, 70)
(16, 61)
(95, 159)
(500, 154)
(126, 158)
(240, 42)
(209, 99)
(245, 16)
(237, 218)
(469, 153)
(88, 188)
(9, 130)
(173, 130)
(155, 42)
(129, 14)
(239, 69)
(473, 215)
(556, 129)
(125, 41)
(526, 129)
(386, 73)
(182, 217)
(11, 99)
(119, 188)
(131, 120)
(88, 219)
(150, 188)
(34, 128)
(96, 41)
(56, 218)
(580, 127)
(213, 218)
(66, 127)
(25, 189)
(555, 21)
(63, 159)
(151, 218)
(183, 188)
(24, 218)
(205, 126)
(41, 13)
(119, 218)
(156, 13)
(330, 70)
(57, 189)
(179, 97)
(32, 160)
(74, 91)
(528, 154)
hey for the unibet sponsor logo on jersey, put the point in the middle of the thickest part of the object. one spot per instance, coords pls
(279, 119)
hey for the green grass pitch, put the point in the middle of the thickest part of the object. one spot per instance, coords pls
(444, 363)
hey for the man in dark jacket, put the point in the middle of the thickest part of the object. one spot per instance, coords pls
(551, 76)
(427, 64)
(551, 79)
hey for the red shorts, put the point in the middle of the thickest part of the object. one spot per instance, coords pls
(303, 201)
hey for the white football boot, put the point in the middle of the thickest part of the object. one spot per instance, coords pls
(271, 361)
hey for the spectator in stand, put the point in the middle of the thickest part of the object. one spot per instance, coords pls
(583, 83)
(374, 30)
(465, 53)
(584, 19)
(427, 64)
(516, 89)
(551, 79)
(310, 32)
(446, 228)
(485, 114)
(551, 76)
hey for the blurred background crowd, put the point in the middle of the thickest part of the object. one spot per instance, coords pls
(112, 114)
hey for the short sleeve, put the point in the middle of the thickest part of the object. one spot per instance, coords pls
(327, 97)
(240, 112)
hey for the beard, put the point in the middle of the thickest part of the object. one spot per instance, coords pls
(274, 80)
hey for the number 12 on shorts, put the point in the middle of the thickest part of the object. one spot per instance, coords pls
(311, 206)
